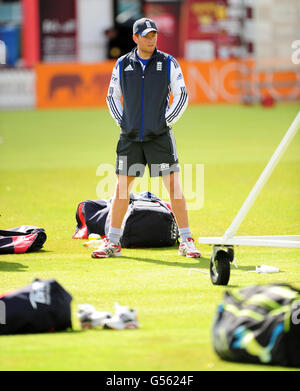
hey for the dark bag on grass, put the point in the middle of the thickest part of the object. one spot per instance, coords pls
(91, 217)
(149, 221)
(40, 307)
(259, 324)
(23, 239)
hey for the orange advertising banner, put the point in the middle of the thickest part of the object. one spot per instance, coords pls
(211, 82)
(234, 81)
(72, 85)
(230, 81)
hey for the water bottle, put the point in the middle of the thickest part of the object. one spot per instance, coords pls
(94, 241)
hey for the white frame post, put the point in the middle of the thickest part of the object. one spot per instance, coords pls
(273, 241)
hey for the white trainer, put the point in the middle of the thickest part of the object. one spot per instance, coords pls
(188, 249)
(90, 318)
(107, 249)
(124, 318)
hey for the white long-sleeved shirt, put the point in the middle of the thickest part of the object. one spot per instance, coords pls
(177, 87)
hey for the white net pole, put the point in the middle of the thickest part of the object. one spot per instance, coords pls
(230, 232)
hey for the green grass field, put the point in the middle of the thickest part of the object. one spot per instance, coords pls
(48, 164)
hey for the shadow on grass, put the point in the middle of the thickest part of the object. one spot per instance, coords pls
(12, 267)
(199, 264)
(68, 331)
(202, 263)
(16, 266)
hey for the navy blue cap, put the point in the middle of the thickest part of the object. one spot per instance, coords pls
(144, 26)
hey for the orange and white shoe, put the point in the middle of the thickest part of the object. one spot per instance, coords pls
(107, 249)
(188, 249)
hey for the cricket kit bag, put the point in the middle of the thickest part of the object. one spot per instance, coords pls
(23, 239)
(40, 307)
(259, 324)
(149, 221)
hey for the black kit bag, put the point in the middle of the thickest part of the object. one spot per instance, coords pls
(91, 217)
(42, 306)
(149, 221)
(259, 324)
(23, 239)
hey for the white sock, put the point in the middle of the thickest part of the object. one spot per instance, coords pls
(114, 235)
(184, 233)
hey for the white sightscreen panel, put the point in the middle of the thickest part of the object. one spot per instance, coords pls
(17, 89)
(277, 26)
(94, 17)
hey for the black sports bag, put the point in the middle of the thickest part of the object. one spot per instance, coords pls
(149, 221)
(23, 239)
(42, 306)
(259, 324)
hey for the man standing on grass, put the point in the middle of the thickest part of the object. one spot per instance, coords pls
(145, 78)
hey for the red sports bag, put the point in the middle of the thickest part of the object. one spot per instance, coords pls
(23, 239)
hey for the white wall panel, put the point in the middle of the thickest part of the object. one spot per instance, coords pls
(94, 17)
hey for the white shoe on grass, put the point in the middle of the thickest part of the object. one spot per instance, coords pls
(188, 249)
(124, 318)
(107, 249)
(90, 318)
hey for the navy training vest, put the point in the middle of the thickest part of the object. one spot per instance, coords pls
(145, 95)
